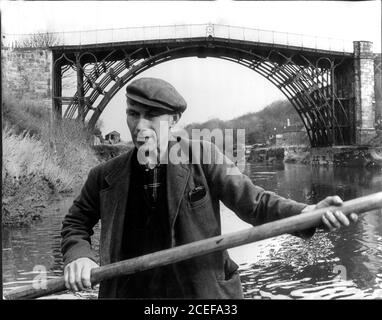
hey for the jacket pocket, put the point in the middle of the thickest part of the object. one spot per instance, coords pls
(197, 196)
(198, 203)
(231, 288)
(230, 267)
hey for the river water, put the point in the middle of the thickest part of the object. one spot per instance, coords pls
(340, 265)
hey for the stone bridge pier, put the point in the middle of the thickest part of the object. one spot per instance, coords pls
(364, 92)
(357, 83)
(27, 76)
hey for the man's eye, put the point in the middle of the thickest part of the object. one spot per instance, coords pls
(132, 113)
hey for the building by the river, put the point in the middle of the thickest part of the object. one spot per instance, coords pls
(293, 135)
(113, 137)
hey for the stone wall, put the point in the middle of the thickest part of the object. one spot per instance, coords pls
(348, 156)
(357, 156)
(26, 75)
(270, 154)
(364, 91)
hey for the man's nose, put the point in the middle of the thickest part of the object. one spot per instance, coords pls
(142, 124)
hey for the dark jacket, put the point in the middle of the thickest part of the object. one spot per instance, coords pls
(215, 275)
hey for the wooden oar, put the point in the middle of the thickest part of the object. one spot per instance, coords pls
(198, 248)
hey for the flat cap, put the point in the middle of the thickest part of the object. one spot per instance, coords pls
(156, 93)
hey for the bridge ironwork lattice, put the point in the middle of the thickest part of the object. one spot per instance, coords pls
(305, 74)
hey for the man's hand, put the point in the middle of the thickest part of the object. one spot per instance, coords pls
(333, 220)
(77, 274)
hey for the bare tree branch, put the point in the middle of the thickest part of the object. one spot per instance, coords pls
(39, 40)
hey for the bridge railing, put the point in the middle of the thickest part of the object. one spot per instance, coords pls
(283, 38)
(105, 36)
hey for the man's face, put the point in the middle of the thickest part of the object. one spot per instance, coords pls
(144, 125)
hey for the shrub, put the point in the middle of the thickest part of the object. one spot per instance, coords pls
(24, 116)
(31, 145)
(25, 155)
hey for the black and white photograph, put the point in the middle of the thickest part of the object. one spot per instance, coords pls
(197, 150)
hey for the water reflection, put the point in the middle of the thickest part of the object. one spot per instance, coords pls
(343, 264)
(312, 266)
(35, 251)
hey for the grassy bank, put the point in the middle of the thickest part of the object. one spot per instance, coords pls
(39, 160)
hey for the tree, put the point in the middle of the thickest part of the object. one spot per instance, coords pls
(39, 40)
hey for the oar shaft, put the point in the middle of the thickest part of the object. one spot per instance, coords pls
(202, 247)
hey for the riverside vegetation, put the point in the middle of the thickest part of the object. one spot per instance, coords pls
(40, 162)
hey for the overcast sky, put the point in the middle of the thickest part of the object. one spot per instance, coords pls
(212, 87)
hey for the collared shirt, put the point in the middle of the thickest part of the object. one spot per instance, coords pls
(153, 182)
(147, 230)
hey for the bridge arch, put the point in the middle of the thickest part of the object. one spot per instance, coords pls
(306, 82)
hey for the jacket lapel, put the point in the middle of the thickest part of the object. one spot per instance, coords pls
(177, 177)
(115, 198)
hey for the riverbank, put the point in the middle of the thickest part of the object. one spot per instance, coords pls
(41, 162)
(351, 156)
(34, 175)
(25, 199)
(33, 187)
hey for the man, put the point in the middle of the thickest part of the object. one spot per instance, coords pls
(146, 203)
